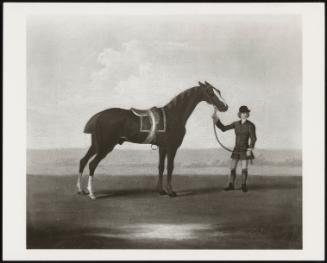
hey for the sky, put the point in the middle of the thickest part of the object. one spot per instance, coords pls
(79, 65)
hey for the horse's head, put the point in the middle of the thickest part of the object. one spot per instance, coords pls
(213, 96)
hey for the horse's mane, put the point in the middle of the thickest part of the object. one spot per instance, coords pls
(180, 98)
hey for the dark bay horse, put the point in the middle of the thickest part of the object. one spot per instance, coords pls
(115, 125)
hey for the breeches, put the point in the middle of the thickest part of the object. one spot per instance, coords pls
(234, 162)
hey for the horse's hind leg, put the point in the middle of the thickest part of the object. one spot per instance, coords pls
(82, 165)
(93, 165)
(161, 168)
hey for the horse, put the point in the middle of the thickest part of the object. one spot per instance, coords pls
(116, 125)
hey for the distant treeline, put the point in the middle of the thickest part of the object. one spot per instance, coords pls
(185, 157)
(261, 162)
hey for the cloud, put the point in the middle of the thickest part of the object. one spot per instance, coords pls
(118, 65)
(141, 73)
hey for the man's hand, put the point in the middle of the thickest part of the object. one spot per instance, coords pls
(215, 117)
(249, 152)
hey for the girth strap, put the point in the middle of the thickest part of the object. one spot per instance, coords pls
(152, 132)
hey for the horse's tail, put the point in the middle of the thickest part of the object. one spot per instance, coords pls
(91, 124)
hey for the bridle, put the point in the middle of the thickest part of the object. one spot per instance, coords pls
(214, 124)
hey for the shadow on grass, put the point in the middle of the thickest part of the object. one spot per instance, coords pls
(202, 191)
(102, 194)
(282, 185)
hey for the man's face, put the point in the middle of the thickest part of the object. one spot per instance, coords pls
(244, 115)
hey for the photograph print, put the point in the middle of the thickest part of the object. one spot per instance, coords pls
(164, 131)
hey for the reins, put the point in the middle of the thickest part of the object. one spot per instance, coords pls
(216, 135)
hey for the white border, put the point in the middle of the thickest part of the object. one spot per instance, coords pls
(14, 159)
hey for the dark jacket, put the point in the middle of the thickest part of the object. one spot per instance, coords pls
(243, 133)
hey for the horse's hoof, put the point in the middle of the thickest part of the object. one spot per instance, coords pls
(82, 192)
(172, 194)
(162, 192)
(92, 196)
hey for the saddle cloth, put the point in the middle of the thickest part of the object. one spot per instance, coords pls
(152, 120)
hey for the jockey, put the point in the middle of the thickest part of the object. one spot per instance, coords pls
(244, 131)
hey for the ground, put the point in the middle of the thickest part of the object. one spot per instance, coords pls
(130, 214)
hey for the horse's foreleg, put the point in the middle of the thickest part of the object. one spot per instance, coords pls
(170, 167)
(161, 168)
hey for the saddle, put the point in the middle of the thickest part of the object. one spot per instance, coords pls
(152, 120)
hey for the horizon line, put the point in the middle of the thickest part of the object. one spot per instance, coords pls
(204, 148)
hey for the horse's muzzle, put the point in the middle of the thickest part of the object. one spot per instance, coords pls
(223, 108)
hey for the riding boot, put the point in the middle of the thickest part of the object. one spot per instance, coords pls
(244, 178)
(231, 180)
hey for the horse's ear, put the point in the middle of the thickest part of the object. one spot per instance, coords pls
(208, 84)
(201, 84)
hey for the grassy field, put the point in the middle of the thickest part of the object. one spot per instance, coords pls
(130, 214)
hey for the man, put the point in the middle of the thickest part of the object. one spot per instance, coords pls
(244, 144)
